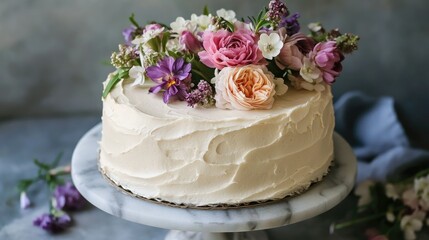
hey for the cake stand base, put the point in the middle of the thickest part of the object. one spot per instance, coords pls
(216, 224)
(187, 235)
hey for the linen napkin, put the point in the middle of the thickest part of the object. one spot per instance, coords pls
(371, 127)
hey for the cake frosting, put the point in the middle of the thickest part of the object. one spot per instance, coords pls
(208, 156)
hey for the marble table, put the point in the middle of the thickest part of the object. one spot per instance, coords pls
(211, 224)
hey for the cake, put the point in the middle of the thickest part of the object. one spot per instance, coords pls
(217, 112)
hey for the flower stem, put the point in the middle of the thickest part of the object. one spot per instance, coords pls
(62, 170)
(358, 220)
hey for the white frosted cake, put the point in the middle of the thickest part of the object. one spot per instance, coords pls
(212, 111)
(213, 156)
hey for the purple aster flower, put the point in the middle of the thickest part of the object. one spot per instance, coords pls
(67, 197)
(52, 223)
(128, 34)
(172, 76)
(24, 200)
(276, 10)
(291, 24)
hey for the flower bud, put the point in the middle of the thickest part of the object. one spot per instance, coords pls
(190, 42)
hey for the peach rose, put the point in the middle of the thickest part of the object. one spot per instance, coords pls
(245, 88)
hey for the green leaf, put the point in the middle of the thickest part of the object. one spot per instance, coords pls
(154, 44)
(164, 40)
(24, 184)
(206, 10)
(57, 160)
(133, 21)
(42, 165)
(261, 13)
(122, 73)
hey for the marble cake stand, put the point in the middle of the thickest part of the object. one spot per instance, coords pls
(193, 224)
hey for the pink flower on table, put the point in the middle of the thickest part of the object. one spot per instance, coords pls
(328, 58)
(230, 49)
(245, 88)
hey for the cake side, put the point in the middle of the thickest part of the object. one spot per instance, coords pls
(214, 156)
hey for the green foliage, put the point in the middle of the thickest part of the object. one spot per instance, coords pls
(133, 21)
(260, 21)
(206, 10)
(44, 173)
(117, 77)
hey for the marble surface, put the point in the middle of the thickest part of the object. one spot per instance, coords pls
(318, 199)
(21, 140)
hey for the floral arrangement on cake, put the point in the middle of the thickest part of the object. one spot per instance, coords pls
(230, 63)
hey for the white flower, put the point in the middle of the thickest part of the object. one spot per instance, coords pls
(148, 35)
(412, 223)
(421, 184)
(391, 191)
(315, 27)
(271, 45)
(228, 15)
(362, 190)
(137, 73)
(300, 83)
(202, 22)
(424, 199)
(174, 45)
(310, 72)
(281, 88)
(390, 217)
(181, 25)
(24, 201)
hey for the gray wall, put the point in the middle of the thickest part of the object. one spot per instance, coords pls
(51, 50)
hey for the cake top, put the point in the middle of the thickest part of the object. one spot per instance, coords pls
(218, 60)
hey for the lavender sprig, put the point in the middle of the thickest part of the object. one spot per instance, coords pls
(202, 95)
(65, 195)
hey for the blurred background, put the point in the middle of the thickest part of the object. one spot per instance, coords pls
(51, 51)
(51, 71)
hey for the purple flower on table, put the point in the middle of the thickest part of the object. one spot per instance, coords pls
(24, 201)
(172, 76)
(68, 197)
(291, 24)
(128, 34)
(52, 223)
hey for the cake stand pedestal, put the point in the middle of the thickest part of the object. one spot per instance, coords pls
(196, 224)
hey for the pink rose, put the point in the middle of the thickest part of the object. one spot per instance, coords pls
(190, 41)
(293, 51)
(230, 49)
(244, 88)
(328, 58)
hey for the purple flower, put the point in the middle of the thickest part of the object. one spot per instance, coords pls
(52, 223)
(328, 58)
(128, 34)
(277, 10)
(172, 76)
(202, 95)
(24, 200)
(67, 197)
(291, 24)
